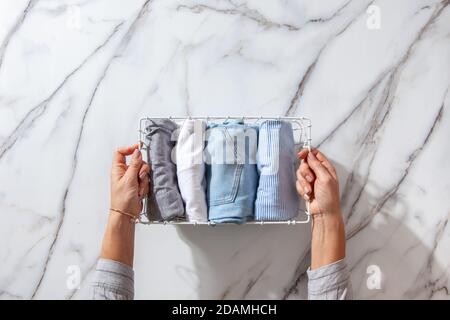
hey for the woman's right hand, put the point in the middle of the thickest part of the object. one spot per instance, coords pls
(318, 183)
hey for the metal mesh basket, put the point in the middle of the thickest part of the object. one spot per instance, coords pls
(302, 136)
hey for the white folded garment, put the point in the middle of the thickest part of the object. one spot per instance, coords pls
(191, 169)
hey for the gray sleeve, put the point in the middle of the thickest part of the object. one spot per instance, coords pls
(330, 282)
(113, 281)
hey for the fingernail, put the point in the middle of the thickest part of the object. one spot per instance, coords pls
(311, 156)
(309, 178)
(136, 154)
(142, 175)
(306, 197)
(306, 189)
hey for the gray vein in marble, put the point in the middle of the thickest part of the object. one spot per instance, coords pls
(439, 289)
(331, 17)
(122, 46)
(14, 29)
(228, 289)
(369, 93)
(252, 282)
(392, 191)
(10, 295)
(155, 87)
(226, 292)
(242, 11)
(383, 245)
(301, 86)
(368, 144)
(238, 52)
(301, 268)
(293, 105)
(425, 272)
(412, 157)
(36, 112)
(368, 141)
(394, 69)
(21, 260)
(300, 274)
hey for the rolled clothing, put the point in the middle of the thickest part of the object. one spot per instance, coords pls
(191, 169)
(231, 173)
(164, 202)
(276, 198)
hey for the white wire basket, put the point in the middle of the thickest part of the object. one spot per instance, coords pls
(301, 128)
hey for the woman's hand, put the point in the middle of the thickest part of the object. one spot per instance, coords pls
(318, 183)
(129, 183)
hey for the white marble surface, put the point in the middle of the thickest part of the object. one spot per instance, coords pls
(75, 77)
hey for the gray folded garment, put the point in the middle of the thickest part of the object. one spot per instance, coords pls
(164, 202)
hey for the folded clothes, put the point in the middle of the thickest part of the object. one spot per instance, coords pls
(165, 201)
(231, 173)
(276, 197)
(191, 169)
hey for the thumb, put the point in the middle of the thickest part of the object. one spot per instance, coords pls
(135, 165)
(320, 171)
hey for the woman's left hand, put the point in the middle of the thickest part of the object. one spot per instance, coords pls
(129, 183)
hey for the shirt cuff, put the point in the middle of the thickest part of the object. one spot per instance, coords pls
(327, 278)
(113, 280)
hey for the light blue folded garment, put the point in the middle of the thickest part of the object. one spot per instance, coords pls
(231, 173)
(277, 198)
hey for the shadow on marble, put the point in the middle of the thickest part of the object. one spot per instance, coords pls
(270, 262)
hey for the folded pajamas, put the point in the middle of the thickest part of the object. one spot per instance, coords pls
(276, 198)
(231, 173)
(191, 169)
(165, 202)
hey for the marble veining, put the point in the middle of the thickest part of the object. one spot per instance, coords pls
(75, 77)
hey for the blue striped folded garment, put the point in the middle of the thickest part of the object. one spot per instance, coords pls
(276, 197)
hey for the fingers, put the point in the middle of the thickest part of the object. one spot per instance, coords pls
(143, 187)
(306, 172)
(119, 163)
(135, 165)
(118, 158)
(303, 188)
(326, 163)
(303, 154)
(126, 151)
(317, 162)
(119, 154)
(317, 167)
(143, 180)
(305, 176)
(144, 171)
